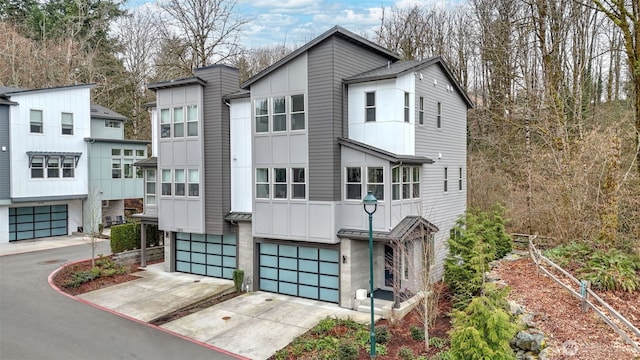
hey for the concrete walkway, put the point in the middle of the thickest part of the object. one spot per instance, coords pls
(25, 246)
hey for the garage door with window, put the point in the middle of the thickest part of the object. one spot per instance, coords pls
(302, 271)
(206, 254)
(37, 222)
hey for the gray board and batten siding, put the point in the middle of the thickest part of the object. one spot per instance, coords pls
(5, 154)
(341, 57)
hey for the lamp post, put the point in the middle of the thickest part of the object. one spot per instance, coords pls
(368, 201)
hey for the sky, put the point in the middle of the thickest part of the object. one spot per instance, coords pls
(295, 22)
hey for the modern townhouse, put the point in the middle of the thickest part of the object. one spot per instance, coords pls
(269, 176)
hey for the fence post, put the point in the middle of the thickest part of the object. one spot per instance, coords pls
(584, 294)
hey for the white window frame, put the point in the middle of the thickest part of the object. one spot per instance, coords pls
(372, 184)
(415, 181)
(166, 182)
(460, 177)
(179, 183)
(407, 107)
(127, 168)
(33, 122)
(68, 167)
(165, 123)
(439, 115)
(53, 167)
(262, 183)
(279, 114)
(446, 179)
(178, 121)
(116, 168)
(421, 111)
(369, 108)
(354, 184)
(193, 183)
(150, 196)
(298, 115)
(66, 123)
(261, 115)
(396, 183)
(112, 124)
(280, 184)
(37, 169)
(298, 180)
(192, 120)
(405, 174)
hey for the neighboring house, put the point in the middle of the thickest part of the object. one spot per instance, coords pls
(63, 162)
(112, 175)
(269, 176)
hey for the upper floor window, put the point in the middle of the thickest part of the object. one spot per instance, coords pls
(128, 169)
(262, 183)
(406, 107)
(370, 106)
(140, 153)
(297, 112)
(439, 115)
(116, 168)
(68, 167)
(354, 183)
(194, 182)
(375, 182)
(279, 114)
(165, 123)
(53, 167)
(262, 115)
(298, 184)
(128, 152)
(166, 182)
(192, 120)
(66, 121)
(37, 167)
(179, 182)
(112, 124)
(116, 152)
(415, 182)
(405, 182)
(460, 180)
(280, 183)
(446, 180)
(421, 111)
(150, 192)
(178, 122)
(35, 121)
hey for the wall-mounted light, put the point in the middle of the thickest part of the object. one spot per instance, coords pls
(435, 82)
(344, 259)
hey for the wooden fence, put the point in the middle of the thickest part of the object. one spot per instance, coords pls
(618, 322)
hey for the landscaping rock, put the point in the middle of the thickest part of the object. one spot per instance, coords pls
(529, 342)
(515, 308)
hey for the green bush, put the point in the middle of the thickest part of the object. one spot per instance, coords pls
(417, 333)
(612, 270)
(125, 237)
(238, 279)
(438, 342)
(383, 335)
(347, 351)
(104, 266)
(406, 353)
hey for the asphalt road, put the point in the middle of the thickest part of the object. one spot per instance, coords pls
(37, 322)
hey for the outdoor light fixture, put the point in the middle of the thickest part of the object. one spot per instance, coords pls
(369, 202)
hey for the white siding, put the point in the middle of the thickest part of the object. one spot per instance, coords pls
(241, 186)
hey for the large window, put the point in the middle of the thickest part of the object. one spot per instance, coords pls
(375, 182)
(354, 183)
(116, 168)
(262, 183)
(53, 167)
(262, 115)
(66, 122)
(192, 120)
(279, 114)
(178, 122)
(37, 167)
(298, 184)
(166, 182)
(406, 107)
(370, 106)
(280, 183)
(150, 195)
(405, 182)
(165, 123)
(35, 121)
(194, 182)
(421, 111)
(297, 112)
(439, 115)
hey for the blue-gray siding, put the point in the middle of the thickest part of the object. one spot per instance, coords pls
(5, 153)
(329, 62)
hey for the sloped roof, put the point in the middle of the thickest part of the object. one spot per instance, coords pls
(175, 83)
(101, 112)
(11, 91)
(151, 162)
(238, 216)
(396, 69)
(384, 154)
(399, 232)
(334, 31)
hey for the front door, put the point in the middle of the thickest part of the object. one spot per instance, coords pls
(389, 273)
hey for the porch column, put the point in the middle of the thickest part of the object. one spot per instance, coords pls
(397, 253)
(143, 245)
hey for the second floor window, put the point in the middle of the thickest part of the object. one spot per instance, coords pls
(446, 180)
(192, 120)
(179, 182)
(370, 106)
(262, 183)
(112, 124)
(194, 182)
(165, 123)
(298, 184)
(68, 167)
(460, 180)
(37, 167)
(439, 115)
(279, 114)
(178, 122)
(280, 183)
(405, 182)
(128, 169)
(150, 191)
(297, 112)
(116, 168)
(166, 182)
(66, 121)
(421, 111)
(406, 107)
(262, 115)
(375, 182)
(354, 183)
(35, 121)
(53, 167)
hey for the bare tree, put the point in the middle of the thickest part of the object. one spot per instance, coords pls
(255, 60)
(210, 28)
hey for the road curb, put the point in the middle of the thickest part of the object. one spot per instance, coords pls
(111, 311)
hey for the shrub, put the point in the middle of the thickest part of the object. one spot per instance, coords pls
(383, 335)
(347, 351)
(406, 353)
(125, 237)
(238, 279)
(438, 342)
(417, 333)
(612, 270)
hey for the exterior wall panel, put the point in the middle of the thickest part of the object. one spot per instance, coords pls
(5, 154)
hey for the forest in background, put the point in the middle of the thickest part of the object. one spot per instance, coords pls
(553, 136)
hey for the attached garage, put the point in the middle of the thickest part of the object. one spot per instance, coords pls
(206, 254)
(307, 272)
(38, 222)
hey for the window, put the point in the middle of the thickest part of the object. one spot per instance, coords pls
(421, 111)
(166, 182)
(416, 181)
(298, 184)
(112, 124)
(116, 168)
(262, 183)
(375, 182)
(140, 153)
(128, 152)
(53, 167)
(280, 183)
(179, 182)
(66, 121)
(354, 183)
(116, 152)
(406, 182)
(37, 167)
(370, 106)
(192, 120)
(439, 116)
(150, 195)
(395, 183)
(460, 180)
(406, 107)
(279, 114)
(194, 182)
(165, 123)
(297, 112)
(178, 122)
(446, 185)
(262, 116)
(128, 169)
(35, 121)
(68, 167)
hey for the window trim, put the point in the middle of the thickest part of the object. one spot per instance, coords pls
(368, 106)
(439, 115)
(446, 179)
(165, 123)
(407, 107)
(415, 183)
(36, 168)
(280, 184)
(33, 123)
(62, 123)
(278, 115)
(347, 183)
(296, 183)
(117, 169)
(163, 182)
(421, 111)
(114, 124)
(262, 117)
(396, 182)
(264, 184)
(190, 183)
(189, 121)
(302, 112)
(460, 178)
(369, 183)
(53, 172)
(150, 179)
(179, 186)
